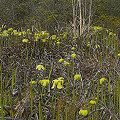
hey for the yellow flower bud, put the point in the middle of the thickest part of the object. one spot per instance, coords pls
(58, 43)
(5, 33)
(92, 102)
(67, 63)
(61, 61)
(39, 67)
(118, 55)
(83, 112)
(102, 80)
(10, 30)
(73, 48)
(44, 82)
(77, 77)
(25, 40)
(83, 50)
(96, 98)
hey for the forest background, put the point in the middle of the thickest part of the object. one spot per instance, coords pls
(52, 15)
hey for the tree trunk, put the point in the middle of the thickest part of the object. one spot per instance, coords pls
(80, 18)
(74, 18)
(90, 15)
(83, 28)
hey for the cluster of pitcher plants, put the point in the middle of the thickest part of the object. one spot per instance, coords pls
(59, 77)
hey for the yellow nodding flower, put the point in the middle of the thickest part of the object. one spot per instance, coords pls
(10, 30)
(73, 56)
(97, 28)
(83, 112)
(54, 83)
(25, 40)
(67, 63)
(80, 112)
(53, 37)
(118, 55)
(23, 33)
(39, 67)
(92, 102)
(77, 77)
(58, 42)
(61, 60)
(32, 82)
(28, 30)
(102, 80)
(58, 82)
(74, 38)
(15, 32)
(110, 34)
(5, 33)
(47, 34)
(43, 32)
(44, 82)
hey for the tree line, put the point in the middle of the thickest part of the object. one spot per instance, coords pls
(57, 15)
